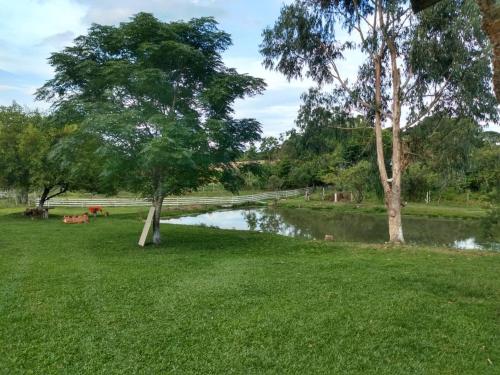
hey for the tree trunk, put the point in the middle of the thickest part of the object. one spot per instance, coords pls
(43, 197)
(394, 201)
(157, 204)
(392, 193)
(394, 214)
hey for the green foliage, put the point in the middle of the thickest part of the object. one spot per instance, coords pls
(275, 183)
(18, 148)
(269, 147)
(418, 180)
(450, 153)
(436, 62)
(252, 181)
(159, 97)
(356, 179)
(37, 154)
(485, 173)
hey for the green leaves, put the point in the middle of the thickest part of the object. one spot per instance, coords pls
(159, 98)
(448, 49)
(302, 40)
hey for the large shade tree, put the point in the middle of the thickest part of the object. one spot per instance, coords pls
(416, 65)
(160, 98)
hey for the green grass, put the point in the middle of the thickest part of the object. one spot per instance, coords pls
(370, 207)
(85, 299)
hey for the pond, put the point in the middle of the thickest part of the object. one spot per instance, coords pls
(315, 224)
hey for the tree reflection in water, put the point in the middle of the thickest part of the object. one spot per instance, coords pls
(344, 227)
(271, 222)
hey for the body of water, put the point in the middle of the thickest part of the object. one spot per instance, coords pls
(315, 224)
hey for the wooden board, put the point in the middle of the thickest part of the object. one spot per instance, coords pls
(147, 227)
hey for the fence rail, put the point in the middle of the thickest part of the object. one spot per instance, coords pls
(175, 201)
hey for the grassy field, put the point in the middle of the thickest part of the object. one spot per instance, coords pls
(85, 299)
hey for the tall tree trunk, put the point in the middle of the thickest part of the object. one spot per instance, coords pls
(157, 204)
(392, 192)
(392, 187)
(394, 203)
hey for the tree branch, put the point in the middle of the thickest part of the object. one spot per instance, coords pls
(437, 96)
(63, 188)
(344, 85)
(358, 17)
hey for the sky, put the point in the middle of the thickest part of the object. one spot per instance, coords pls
(31, 29)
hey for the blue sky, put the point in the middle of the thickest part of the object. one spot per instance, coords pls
(31, 29)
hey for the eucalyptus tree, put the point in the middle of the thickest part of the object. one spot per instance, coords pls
(160, 98)
(414, 66)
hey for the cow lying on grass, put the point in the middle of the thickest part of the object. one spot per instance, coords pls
(76, 219)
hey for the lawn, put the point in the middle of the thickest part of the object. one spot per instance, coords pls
(85, 299)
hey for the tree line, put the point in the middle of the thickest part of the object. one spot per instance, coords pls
(447, 158)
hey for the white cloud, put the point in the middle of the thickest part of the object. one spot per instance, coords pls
(274, 80)
(276, 109)
(112, 11)
(30, 30)
(58, 40)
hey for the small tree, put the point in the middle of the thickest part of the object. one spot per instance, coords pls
(274, 182)
(269, 147)
(14, 166)
(438, 61)
(159, 97)
(356, 179)
(30, 158)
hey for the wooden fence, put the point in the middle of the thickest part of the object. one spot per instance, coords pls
(175, 201)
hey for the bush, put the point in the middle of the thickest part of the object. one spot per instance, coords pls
(275, 183)
(356, 179)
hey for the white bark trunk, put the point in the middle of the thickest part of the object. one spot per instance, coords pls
(394, 216)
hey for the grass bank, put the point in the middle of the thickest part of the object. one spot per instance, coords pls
(367, 207)
(85, 299)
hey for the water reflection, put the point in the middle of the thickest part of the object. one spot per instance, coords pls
(461, 234)
(467, 244)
